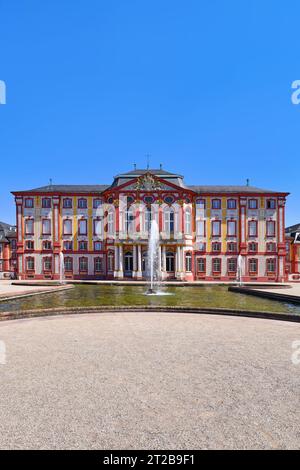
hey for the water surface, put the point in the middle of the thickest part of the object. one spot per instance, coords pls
(200, 296)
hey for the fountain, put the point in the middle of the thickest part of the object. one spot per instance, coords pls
(154, 272)
(61, 268)
(239, 272)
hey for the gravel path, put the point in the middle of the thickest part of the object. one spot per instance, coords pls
(147, 380)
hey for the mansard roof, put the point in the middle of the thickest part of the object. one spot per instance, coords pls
(7, 231)
(68, 188)
(173, 178)
(170, 177)
(230, 189)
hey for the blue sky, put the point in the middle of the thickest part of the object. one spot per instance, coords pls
(204, 87)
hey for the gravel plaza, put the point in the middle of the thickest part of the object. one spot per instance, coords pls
(149, 381)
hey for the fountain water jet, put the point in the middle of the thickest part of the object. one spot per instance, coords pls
(239, 271)
(154, 272)
(61, 268)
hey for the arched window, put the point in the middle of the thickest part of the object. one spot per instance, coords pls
(128, 258)
(83, 265)
(68, 263)
(30, 263)
(145, 261)
(98, 265)
(188, 262)
(129, 220)
(169, 220)
(148, 219)
(170, 262)
(110, 261)
(188, 221)
(98, 227)
(110, 222)
(47, 263)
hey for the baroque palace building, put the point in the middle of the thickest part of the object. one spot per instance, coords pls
(101, 231)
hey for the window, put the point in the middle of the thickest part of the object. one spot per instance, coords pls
(110, 223)
(46, 227)
(97, 203)
(216, 228)
(30, 264)
(216, 265)
(83, 265)
(97, 246)
(271, 247)
(82, 203)
(270, 228)
(232, 264)
(148, 199)
(68, 263)
(29, 245)
(98, 264)
(68, 245)
(216, 246)
(170, 262)
(200, 203)
(129, 220)
(110, 261)
(47, 245)
(200, 228)
(13, 244)
(169, 220)
(67, 227)
(253, 266)
(252, 247)
(82, 227)
(271, 265)
(29, 203)
(231, 247)
(231, 203)
(82, 245)
(271, 204)
(201, 265)
(29, 226)
(98, 226)
(188, 224)
(188, 262)
(252, 228)
(67, 203)
(231, 228)
(47, 264)
(169, 199)
(128, 261)
(46, 202)
(216, 204)
(148, 219)
(202, 246)
(252, 204)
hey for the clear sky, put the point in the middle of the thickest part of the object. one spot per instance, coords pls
(203, 86)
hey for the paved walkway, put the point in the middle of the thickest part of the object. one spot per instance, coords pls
(294, 289)
(140, 380)
(7, 289)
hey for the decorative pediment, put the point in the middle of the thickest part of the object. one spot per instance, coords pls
(147, 182)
